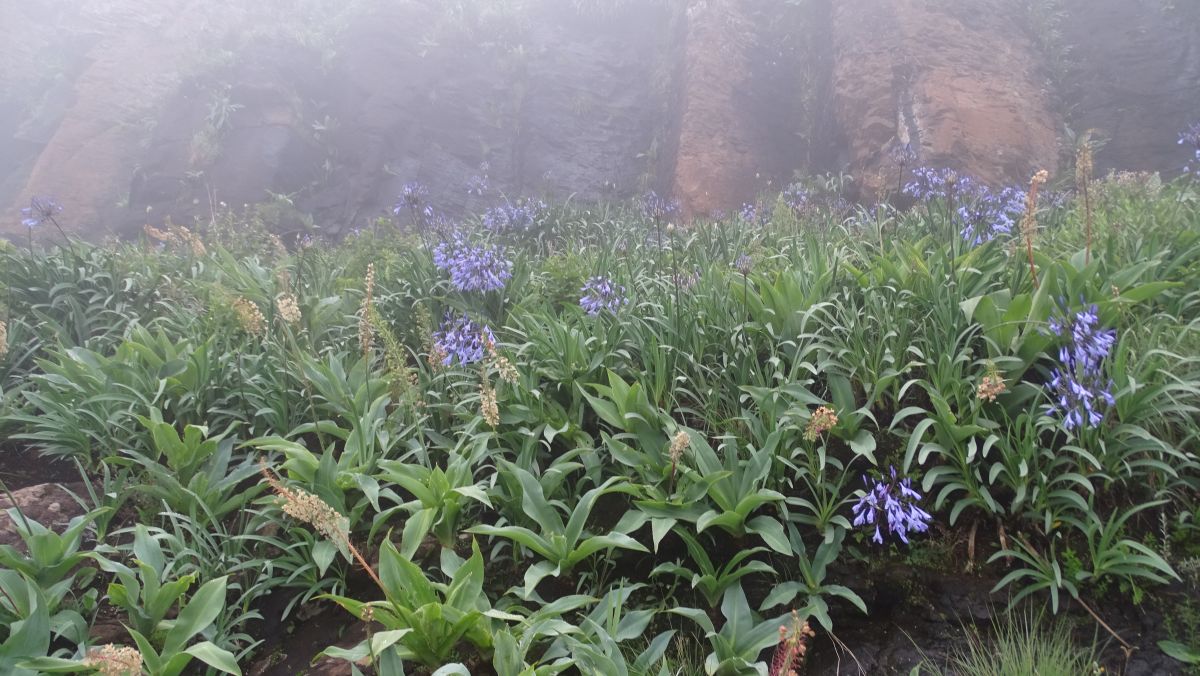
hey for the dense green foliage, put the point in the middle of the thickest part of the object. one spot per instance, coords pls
(601, 492)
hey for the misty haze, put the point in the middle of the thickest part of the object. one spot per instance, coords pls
(630, 337)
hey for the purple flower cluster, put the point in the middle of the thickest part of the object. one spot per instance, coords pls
(891, 503)
(478, 184)
(40, 210)
(601, 294)
(514, 217)
(795, 196)
(658, 208)
(903, 154)
(929, 184)
(750, 213)
(1191, 138)
(1079, 391)
(411, 196)
(462, 340)
(986, 214)
(472, 267)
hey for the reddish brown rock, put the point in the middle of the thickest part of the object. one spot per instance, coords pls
(717, 159)
(960, 81)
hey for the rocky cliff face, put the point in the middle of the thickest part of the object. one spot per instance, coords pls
(123, 108)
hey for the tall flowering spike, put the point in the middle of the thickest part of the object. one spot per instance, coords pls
(1080, 393)
(1029, 222)
(39, 211)
(891, 505)
(679, 444)
(249, 317)
(287, 308)
(366, 332)
(3, 339)
(992, 385)
(600, 294)
(461, 340)
(489, 409)
(471, 267)
(792, 650)
(1191, 139)
(504, 367)
(822, 420)
(308, 508)
(114, 660)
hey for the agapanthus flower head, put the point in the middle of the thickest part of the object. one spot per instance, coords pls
(986, 214)
(514, 217)
(411, 196)
(743, 264)
(472, 267)
(686, 281)
(751, 214)
(795, 196)
(1080, 392)
(658, 208)
(461, 340)
(478, 184)
(930, 184)
(601, 294)
(40, 210)
(902, 154)
(1190, 137)
(890, 504)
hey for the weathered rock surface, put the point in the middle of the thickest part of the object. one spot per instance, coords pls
(120, 106)
(959, 81)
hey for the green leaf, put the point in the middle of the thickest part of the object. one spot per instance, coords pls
(217, 658)
(1180, 652)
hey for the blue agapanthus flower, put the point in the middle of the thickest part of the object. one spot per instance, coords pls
(750, 213)
(903, 154)
(600, 294)
(1191, 139)
(890, 505)
(472, 267)
(478, 184)
(658, 208)
(1080, 393)
(514, 217)
(795, 196)
(461, 340)
(987, 214)
(929, 184)
(39, 211)
(411, 196)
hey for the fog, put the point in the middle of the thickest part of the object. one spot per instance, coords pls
(130, 111)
